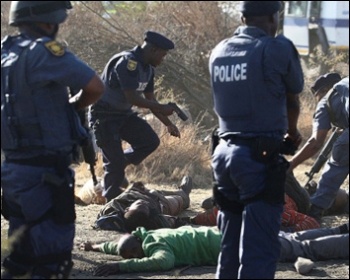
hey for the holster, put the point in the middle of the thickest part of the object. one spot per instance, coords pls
(224, 204)
(63, 208)
(266, 149)
(275, 182)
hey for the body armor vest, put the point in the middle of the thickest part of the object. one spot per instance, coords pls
(242, 98)
(36, 120)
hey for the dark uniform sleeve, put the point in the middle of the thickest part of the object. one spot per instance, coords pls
(150, 86)
(284, 62)
(65, 69)
(126, 72)
(321, 119)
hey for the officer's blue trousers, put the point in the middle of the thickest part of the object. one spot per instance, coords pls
(109, 134)
(29, 200)
(249, 248)
(334, 173)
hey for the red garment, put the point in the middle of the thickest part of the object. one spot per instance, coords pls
(295, 220)
(291, 218)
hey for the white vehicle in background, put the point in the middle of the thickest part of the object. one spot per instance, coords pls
(311, 24)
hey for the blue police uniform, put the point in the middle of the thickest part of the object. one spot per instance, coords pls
(333, 110)
(250, 76)
(39, 129)
(113, 120)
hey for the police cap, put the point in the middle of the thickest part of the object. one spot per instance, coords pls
(329, 80)
(259, 8)
(159, 40)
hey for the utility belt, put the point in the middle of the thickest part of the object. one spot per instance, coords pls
(264, 149)
(236, 140)
(104, 108)
(42, 161)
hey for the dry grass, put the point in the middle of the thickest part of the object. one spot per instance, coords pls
(173, 159)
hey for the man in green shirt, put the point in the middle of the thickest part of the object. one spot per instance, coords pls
(164, 249)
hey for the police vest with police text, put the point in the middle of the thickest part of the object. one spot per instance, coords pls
(242, 99)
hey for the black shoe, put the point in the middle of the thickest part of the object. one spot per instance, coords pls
(6, 275)
(186, 184)
(344, 228)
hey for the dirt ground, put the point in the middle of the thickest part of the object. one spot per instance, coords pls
(85, 262)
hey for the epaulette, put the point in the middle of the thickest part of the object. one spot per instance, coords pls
(132, 65)
(55, 48)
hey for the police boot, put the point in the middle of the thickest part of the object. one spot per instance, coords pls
(316, 213)
(6, 275)
(61, 271)
(14, 269)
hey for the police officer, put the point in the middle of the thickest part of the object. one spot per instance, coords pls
(39, 129)
(256, 78)
(332, 110)
(129, 81)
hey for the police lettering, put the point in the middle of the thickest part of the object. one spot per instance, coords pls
(230, 73)
(142, 86)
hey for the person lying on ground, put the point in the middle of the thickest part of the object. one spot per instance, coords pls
(158, 209)
(293, 216)
(164, 249)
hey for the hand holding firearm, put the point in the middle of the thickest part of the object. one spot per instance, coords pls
(323, 156)
(178, 111)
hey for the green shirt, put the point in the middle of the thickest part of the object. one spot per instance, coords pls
(168, 248)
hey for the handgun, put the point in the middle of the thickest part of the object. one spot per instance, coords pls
(178, 111)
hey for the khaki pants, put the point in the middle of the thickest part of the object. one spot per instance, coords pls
(173, 203)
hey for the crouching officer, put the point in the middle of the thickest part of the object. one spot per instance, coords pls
(39, 128)
(129, 81)
(256, 78)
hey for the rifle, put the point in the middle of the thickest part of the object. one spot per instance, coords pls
(178, 111)
(322, 158)
(87, 148)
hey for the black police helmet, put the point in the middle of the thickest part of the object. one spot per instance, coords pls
(54, 12)
(259, 8)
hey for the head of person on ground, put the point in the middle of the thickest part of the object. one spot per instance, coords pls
(323, 84)
(155, 48)
(139, 214)
(130, 247)
(261, 14)
(39, 18)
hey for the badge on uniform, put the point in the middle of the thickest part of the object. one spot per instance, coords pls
(132, 64)
(55, 48)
